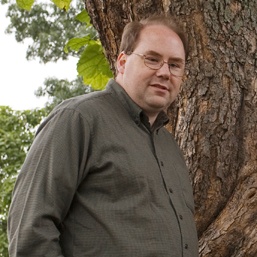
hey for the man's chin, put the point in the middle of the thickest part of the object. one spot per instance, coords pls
(160, 105)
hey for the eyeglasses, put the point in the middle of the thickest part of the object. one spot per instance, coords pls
(155, 62)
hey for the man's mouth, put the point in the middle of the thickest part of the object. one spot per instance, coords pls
(160, 86)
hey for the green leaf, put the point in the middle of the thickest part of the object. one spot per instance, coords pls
(83, 17)
(94, 67)
(77, 43)
(25, 4)
(62, 4)
(98, 82)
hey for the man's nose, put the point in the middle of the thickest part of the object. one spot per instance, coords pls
(164, 70)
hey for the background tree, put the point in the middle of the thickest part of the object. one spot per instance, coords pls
(17, 130)
(215, 117)
(49, 28)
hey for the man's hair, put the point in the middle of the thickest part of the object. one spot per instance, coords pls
(131, 32)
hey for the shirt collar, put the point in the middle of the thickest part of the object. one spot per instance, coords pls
(133, 109)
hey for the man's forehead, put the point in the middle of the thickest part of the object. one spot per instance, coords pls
(159, 39)
(158, 31)
(155, 28)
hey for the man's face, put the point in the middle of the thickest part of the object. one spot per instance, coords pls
(152, 90)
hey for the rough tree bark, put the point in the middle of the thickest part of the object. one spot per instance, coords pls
(215, 117)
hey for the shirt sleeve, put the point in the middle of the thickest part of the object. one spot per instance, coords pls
(46, 185)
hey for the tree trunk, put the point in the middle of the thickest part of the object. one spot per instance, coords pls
(214, 119)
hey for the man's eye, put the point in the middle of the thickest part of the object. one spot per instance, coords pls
(152, 59)
(174, 65)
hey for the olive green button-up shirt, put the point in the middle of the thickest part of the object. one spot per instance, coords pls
(98, 181)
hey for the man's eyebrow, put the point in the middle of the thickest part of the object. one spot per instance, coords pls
(178, 60)
(153, 53)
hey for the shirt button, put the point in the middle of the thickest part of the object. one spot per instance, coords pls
(186, 246)
(171, 191)
(181, 217)
(162, 163)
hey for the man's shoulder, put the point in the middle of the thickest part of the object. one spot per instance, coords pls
(88, 106)
(81, 102)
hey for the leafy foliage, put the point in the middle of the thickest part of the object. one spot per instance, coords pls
(27, 4)
(92, 65)
(49, 28)
(16, 135)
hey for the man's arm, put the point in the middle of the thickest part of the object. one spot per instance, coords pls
(46, 185)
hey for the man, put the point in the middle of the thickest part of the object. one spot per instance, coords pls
(103, 177)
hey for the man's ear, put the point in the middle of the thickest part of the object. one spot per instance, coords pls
(121, 61)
